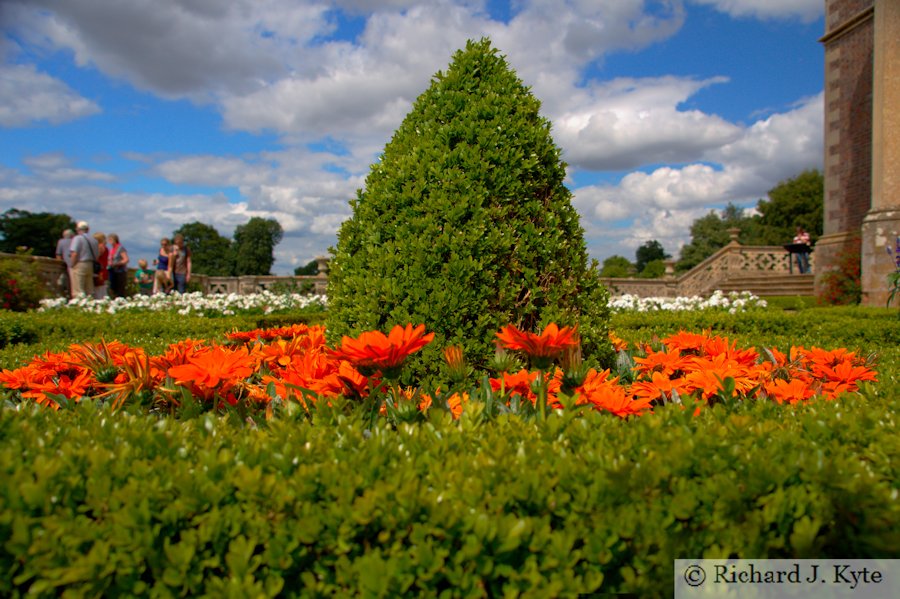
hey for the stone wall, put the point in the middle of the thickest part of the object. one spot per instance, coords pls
(849, 45)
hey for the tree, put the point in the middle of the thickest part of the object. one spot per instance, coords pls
(650, 251)
(653, 269)
(465, 224)
(39, 231)
(310, 269)
(211, 253)
(254, 246)
(797, 201)
(710, 232)
(617, 267)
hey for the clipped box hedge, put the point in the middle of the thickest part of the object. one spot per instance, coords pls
(121, 504)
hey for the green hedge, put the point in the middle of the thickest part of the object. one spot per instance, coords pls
(103, 504)
(94, 503)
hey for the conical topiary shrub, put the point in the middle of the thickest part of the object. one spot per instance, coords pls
(465, 224)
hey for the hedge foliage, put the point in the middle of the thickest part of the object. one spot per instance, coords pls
(124, 504)
(97, 503)
(465, 224)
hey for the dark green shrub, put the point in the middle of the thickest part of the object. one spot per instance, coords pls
(465, 224)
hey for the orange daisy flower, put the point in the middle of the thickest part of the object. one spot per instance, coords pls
(543, 348)
(658, 386)
(606, 394)
(374, 351)
(788, 391)
(214, 372)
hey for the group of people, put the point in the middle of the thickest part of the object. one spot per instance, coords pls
(97, 265)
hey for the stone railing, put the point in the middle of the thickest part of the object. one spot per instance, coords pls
(50, 270)
(730, 262)
(248, 284)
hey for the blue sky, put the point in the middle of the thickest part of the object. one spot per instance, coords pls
(142, 115)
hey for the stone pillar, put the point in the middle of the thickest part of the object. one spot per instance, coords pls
(849, 45)
(882, 223)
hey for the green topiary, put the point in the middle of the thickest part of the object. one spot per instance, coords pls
(465, 224)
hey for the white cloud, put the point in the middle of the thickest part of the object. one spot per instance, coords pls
(58, 168)
(662, 204)
(28, 96)
(196, 49)
(807, 10)
(625, 123)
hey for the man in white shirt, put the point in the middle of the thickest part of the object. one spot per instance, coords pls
(84, 252)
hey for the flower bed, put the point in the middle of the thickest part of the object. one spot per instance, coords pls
(267, 302)
(188, 303)
(732, 302)
(261, 369)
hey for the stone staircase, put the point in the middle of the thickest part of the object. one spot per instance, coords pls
(770, 284)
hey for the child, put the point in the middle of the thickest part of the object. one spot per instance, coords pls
(144, 278)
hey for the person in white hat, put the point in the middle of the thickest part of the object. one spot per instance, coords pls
(82, 255)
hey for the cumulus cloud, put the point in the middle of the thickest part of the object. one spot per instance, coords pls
(27, 96)
(807, 10)
(661, 204)
(629, 122)
(196, 49)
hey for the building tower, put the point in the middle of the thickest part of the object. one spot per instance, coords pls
(862, 139)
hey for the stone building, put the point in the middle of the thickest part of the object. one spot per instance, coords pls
(862, 140)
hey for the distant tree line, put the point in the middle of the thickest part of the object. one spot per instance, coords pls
(250, 252)
(793, 202)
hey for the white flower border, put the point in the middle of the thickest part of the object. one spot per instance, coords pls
(733, 302)
(269, 302)
(187, 303)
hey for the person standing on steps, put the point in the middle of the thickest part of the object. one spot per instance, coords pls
(802, 238)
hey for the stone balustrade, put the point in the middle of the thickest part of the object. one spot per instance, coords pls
(732, 261)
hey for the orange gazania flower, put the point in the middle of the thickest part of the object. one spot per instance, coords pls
(788, 391)
(288, 332)
(665, 362)
(214, 372)
(605, 394)
(543, 348)
(617, 342)
(374, 351)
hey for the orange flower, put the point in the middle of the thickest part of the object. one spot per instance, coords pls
(456, 403)
(658, 386)
(288, 332)
(278, 354)
(543, 348)
(374, 351)
(69, 387)
(214, 372)
(665, 362)
(708, 374)
(788, 391)
(523, 383)
(688, 342)
(606, 394)
(617, 342)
